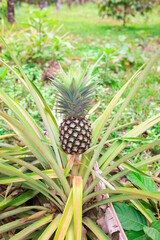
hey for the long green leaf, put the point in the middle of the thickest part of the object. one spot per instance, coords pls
(32, 227)
(41, 104)
(70, 233)
(66, 218)
(21, 114)
(7, 136)
(51, 228)
(20, 210)
(34, 184)
(124, 190)
(133, 133)
(77, 206)
(137, 165)
(150, 217)
(129, 155)
(41, 174)
(17, 201)
(50, 122)
(15, 179)
(95, 229)
(101, 121)
(116, 198)
(13, 225)
(30, 138)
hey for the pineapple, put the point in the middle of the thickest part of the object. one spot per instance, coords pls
(75, 91)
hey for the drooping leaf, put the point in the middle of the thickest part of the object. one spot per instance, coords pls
(136, 165)
(95, 229)
(21, 210)
(32, 227)
(125, 194)
(17, 201)
(12, 225)
(35, 184)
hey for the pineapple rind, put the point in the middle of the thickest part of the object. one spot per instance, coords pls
(75, 135)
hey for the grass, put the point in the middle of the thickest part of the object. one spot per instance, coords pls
(85, 22)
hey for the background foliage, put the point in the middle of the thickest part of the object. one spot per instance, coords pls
(122, 8)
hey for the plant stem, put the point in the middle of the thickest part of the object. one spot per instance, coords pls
(40, 39)
(125, 13)
(75, 166)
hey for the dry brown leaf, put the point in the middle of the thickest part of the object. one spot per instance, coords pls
(102, 224)
(23, 220)
(34, 216)
(50, 70)
(109, 223)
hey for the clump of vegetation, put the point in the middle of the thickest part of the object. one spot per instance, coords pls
(43, 41)
(3, 9)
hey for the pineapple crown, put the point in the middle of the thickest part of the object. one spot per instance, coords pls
(75, 89)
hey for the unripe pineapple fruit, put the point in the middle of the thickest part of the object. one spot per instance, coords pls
(75, 135)
(75, 90)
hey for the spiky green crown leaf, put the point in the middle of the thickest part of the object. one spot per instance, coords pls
(75, 89)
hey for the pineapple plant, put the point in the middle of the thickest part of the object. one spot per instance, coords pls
(74, 89)
(65, 206)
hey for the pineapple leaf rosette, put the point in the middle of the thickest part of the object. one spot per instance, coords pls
(44, 196)
(75, 89)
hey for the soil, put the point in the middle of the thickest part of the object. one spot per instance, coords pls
(50, 70)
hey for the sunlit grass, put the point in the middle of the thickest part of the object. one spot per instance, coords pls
(85, 21)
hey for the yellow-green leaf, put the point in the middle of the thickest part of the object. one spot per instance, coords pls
(77, 206)
(66, 218)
